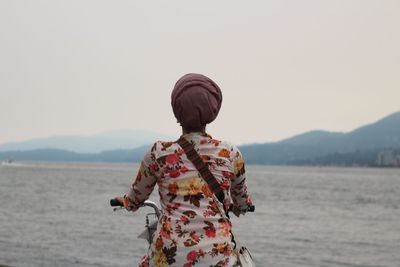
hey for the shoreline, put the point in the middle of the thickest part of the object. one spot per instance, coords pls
(56, 162)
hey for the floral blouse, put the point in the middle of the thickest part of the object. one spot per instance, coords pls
(191, 231)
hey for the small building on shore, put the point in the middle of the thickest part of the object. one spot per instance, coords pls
(388, 158)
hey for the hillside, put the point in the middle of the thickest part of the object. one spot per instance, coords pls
(118, 155)
(358, 147)
(315, 145)
(110, 140)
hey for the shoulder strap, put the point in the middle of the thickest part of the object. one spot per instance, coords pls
(204, 171)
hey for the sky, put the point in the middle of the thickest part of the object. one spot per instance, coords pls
(284, 67)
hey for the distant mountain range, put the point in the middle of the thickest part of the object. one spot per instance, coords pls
(110, 140)
(358, 147)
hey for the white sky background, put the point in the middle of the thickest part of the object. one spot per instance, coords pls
(285, 67)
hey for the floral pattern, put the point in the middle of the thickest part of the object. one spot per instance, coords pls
(191, 230)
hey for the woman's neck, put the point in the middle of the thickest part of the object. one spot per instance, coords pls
(201, 131)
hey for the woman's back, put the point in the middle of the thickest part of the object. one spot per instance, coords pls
(191, 230)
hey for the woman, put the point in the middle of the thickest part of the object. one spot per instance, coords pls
(191, 230)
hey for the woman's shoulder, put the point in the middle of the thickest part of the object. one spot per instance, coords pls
(223, 143)
(160, 148)
(224, 147)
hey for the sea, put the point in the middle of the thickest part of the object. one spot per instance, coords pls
(58, 214)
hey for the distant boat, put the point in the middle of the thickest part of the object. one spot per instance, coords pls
(8, 162)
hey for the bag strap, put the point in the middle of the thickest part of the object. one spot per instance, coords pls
(203, 169)
(205, 172)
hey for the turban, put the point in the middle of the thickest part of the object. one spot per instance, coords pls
(196, 100)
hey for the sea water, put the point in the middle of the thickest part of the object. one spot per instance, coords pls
(54, 214)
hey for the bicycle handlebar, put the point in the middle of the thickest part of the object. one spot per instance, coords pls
(115, 203)
(252, 208)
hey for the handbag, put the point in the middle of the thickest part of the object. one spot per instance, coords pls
(243, 254)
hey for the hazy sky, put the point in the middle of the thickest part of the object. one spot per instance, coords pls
(285, 67)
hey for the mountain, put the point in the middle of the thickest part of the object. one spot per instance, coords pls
(320, 146)
(358, 147)
(117, 139)
(118, 155)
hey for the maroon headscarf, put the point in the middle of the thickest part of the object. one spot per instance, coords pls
(196, 100)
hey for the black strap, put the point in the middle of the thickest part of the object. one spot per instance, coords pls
(204, 171)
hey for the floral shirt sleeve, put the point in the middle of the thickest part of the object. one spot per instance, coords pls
(144, 183)
(240, 196)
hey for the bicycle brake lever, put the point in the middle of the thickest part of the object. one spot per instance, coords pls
(118, 208)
